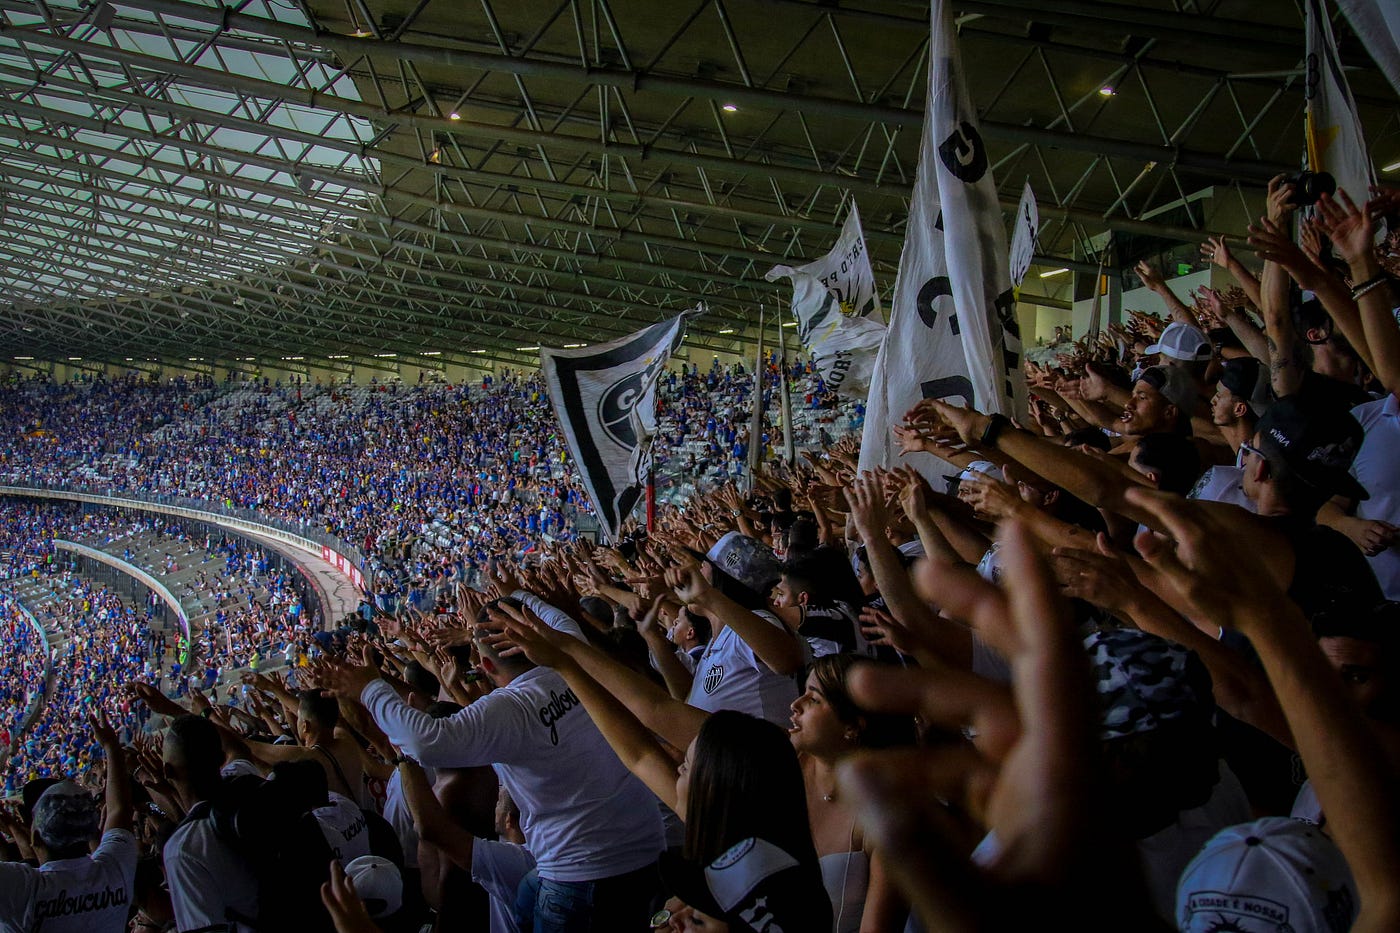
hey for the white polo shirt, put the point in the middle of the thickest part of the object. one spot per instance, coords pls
(730, 676)
(1375, 468)
(90, 894)
(1223, 484)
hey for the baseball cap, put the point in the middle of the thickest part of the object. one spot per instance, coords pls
(1315, 443)
(1145, 682)
(1182, 342)
(747, 560)
(1247, 378)
(378, 882)
(1269, 875)
(65, 815)
(981, 467)
(1176, 387)
(754, 887)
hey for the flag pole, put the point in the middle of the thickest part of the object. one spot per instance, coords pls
(789, 450)
(756, 428)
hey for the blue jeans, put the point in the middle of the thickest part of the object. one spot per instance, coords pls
(544, 906)
(609, 905)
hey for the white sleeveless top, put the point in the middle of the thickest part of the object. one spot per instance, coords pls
(846, 877)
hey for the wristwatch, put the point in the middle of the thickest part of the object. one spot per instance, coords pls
(995, 425)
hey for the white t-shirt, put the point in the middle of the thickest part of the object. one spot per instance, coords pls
(730, 676)
(499, 868)
(1374, 468)
(209, 883)
(345, 827)
(586, 816)
(1223, 484)
(90, 894)
(401, 818)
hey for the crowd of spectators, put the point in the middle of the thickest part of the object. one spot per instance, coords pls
(23, 669)
(1133, 665)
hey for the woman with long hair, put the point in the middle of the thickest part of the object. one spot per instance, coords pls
(738, 789)
(826, 727)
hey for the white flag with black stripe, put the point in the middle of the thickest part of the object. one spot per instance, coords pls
(838, 310)
(953, 331)
(605, 399)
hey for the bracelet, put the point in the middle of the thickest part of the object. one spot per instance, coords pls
(995, 425)
(1368, 285)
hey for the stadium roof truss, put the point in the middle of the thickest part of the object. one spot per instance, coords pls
(462, 180)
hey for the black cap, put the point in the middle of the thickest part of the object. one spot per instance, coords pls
(754, 886)
(1315, 443)
(1245, 377)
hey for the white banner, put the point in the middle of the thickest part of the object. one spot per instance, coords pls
(605, 399)
(1335, 141)
(953, 331)
(838, 310)
(1377, 23)
(1026, 227)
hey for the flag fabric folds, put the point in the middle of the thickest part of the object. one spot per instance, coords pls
(953, 331)
(1335, 142)
(838, 310)
(1026, 227)
(605, 399)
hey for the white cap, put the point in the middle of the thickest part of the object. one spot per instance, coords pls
(378, 882)
(1269, 875)
(985, 467)
(1182, 342)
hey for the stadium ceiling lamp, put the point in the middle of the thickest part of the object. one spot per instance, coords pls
(574, 346)
(527, 348)
(727, 330)
(338, 356)
(730, 108)
(789, 323)
(75, 359)
(1392, 167)
(385, 356)
(432, 353)
(1107, 91)
(24, 357)
(454, 115)
(1052, 273)
(476, 351)
(358, 30)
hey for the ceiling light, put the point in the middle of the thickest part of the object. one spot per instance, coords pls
(435, 156)
(527, 348)
(75, 359)
(1392, 167)
(24, 357)
(357, 30)
(454, 115)
(574, 346)
(1052, 273)
(432, 353)
(730, 108)
(128, 359)
(789, 323)
(727, 330)
(1106, 91)
(386, 356)
(338, 356)
(476, 351)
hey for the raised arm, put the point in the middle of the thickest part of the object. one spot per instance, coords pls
(1214, 567)
(1353, 234)
(632, 741)
(775, 646)
(118, 791)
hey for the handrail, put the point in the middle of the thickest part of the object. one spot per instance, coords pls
(346, 565)
(153, 583)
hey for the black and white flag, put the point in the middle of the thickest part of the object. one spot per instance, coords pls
(838, 310)
(953, 331)
(605, 399)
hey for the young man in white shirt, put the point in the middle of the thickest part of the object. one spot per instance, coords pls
(594, 829)
(73, 891)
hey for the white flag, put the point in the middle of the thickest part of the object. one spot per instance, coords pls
(838, 310)
(1377, 23)
(953, 331)
(1335, 141)
(605, 399)
(1025, 227)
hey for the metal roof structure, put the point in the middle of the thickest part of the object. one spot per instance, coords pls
(433, 180)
